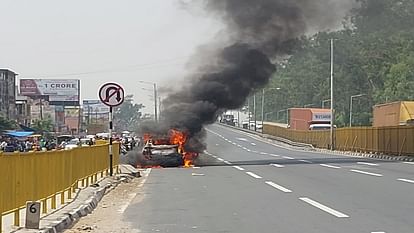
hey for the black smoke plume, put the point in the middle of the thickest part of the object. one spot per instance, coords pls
(257, 33)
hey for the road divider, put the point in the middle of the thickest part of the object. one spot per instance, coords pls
(324, 207)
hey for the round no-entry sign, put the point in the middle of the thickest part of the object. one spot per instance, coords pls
(111, 94)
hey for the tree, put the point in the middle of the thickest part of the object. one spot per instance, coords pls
(6, 124)
(45, 125)
(128, 115)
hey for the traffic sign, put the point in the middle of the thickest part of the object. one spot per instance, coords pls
(111, 94)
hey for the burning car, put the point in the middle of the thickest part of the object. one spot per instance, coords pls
(166, 151)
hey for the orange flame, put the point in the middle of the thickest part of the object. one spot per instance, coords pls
(178, 138)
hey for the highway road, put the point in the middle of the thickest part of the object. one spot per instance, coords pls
(246, 184)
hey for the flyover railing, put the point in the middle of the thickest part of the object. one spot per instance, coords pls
(386, 140)
(45, 176)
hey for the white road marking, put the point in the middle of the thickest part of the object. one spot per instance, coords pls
(276, 165)
(239, 145)
(369, 164)
(244, 148)
(131, 196)
(287, 157)
(242, 139)
(234, 143)
(255, 151)
(276, 186)
(411, 163)
(264, 153)
(253, 144)
(253, 175)
(217, 144)
(324, 208)
(378, 232)
(330, 166)
(222, 160)
(239, 168)
(227, 162)
(274, 155)
(305, 161)
(366, 173)
(248, 150)
(406, 180)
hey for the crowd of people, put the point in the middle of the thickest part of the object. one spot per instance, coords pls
(26, 144)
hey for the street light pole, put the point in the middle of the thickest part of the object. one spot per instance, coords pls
(155, 98)
(350, 108)
(332, 93)
(324, 101)
(263, 100)
(254, 110)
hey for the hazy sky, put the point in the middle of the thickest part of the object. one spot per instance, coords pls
(98, 41)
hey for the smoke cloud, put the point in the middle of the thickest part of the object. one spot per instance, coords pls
(257, 32)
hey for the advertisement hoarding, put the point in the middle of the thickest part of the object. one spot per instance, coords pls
(58, 91)
(94, 107)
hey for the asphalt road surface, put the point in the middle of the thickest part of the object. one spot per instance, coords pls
(245, 185)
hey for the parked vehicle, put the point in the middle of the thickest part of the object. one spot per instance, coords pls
(394, 114)
(309, 118)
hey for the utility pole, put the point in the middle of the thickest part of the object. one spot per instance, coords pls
(263, 101)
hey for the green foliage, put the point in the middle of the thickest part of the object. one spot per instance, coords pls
(128, 115)
(6, 124)
(45, 125)
(374, 56)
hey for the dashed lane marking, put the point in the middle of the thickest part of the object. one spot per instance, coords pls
(220, 159)
(264, 153)
(406, 180)
(227, 162)
(366, 173)
(329, 166)
(279, 187)
(324, 207)
(411, 163)
(253, 144)
(287, 157)
(239, 168)
(274, 155)
(305, 161)
(276, 165)
(369, 164)
(253, 175)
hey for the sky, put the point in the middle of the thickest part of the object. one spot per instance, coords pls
(98, 41)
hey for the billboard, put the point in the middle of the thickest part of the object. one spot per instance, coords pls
(94, 107)
(58, 91)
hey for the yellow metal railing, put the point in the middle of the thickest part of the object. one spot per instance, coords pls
(42, 176)
(388, 140)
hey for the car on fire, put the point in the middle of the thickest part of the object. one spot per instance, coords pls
(165, 151)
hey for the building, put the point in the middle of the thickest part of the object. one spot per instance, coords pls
(23, 108)
(8, 94)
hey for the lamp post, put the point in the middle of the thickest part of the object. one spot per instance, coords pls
(263, 100)
(308, 105)
(350, 108)
(283, 110)
(332, 100)
(155, 98)
(325, 101)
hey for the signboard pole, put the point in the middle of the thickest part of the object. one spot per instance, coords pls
(110, 142)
